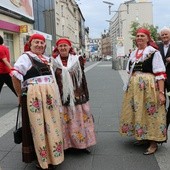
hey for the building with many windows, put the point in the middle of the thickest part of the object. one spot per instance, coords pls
(52, 18)
(95, 49)
(106, 45)
(140, 11)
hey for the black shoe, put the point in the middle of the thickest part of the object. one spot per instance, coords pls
(49, 167)
(140, 143)
(86, 150)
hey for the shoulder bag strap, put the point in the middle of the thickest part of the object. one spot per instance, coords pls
(16, 127)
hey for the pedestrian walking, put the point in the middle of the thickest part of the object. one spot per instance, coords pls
(39, 96)
(143, 113)
(84, 57)
(77, 119)
(5, 67)
(164, 48)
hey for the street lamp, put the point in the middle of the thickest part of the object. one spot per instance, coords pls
(127, 4)
(110, 5)
(109, 21)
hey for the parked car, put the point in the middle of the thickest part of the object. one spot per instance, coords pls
(108, 58)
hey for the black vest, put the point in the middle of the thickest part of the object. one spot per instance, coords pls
(143, 66)
(37, 69)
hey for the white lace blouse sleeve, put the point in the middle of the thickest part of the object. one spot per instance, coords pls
(22, 65)
(53, 63)
(158, 66)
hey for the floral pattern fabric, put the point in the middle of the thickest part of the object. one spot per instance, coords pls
(142, 116)
(78, 127)
(45, 122)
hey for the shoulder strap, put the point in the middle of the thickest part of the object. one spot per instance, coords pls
(30, 58)
(33, 64)
(18, 111)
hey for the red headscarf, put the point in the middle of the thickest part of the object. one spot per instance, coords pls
(147, 32)
(34, 36)
(63, 41)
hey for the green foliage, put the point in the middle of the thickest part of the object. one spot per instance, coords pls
(153, 30)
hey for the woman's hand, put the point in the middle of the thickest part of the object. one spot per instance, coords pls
(168, 59)
(162, 98)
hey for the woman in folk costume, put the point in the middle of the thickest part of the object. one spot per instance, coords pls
(35, 84)
(77, 120)
(143, 112)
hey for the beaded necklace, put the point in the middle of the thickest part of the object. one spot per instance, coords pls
(139, 55)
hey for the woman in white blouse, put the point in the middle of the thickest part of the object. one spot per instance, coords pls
(143, 112)
(40, 100)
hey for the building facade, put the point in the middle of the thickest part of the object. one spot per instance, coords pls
(95, 48)
(106, 45)
(16, 23)
(51, 18)
(120, 23)
(69, 23)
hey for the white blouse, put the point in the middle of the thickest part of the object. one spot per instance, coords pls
(157, 62)
(23, 64)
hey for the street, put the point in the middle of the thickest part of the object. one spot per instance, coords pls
(8, 101)
(112, 152)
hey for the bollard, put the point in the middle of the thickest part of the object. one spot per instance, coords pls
(116, 64)
(125, 63)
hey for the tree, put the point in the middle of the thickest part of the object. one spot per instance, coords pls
(134, 26)
(153, 30)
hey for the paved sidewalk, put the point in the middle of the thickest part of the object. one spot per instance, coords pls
(112, 152)
(163, 156)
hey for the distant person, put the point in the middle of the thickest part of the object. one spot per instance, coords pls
(84, 58)
(77, 119)
(143, 113)
(130, 51)
(5, 67)
(38, 94)
(164, 48)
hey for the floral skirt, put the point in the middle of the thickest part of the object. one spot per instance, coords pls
(45, 123)
(78, 127)
(142, 116)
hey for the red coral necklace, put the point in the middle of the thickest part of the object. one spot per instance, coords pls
(139, 55)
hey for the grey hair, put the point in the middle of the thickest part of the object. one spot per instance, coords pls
(164, 29)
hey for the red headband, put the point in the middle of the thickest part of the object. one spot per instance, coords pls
(34, 36)
(63, 41)
(145, 31)
(37, 36)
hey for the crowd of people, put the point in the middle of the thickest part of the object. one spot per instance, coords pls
(54, 97)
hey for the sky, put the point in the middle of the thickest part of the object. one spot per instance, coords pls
(95, 13)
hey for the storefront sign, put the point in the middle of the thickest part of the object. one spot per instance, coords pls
(120, 49)
(23, 28)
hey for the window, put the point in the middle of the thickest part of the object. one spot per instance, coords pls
(62, 11)
(62, 30)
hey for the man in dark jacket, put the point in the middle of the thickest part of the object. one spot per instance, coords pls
(164, 48)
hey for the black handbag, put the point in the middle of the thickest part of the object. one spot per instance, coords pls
(18, 129)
